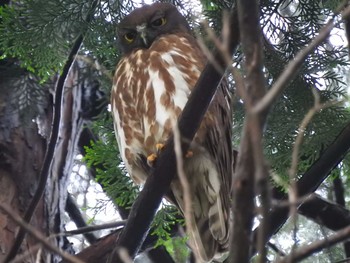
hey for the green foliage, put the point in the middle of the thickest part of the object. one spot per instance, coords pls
(163, 223)
(288, 27)
(40, 42)
(26, 96)
(177, 248)
(110, 173)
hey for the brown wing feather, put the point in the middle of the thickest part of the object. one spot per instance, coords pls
(209, 174)
(218, 142)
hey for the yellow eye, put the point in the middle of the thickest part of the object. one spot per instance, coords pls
(129, 37)
(159, 22)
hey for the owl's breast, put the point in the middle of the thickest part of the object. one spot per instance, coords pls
(172, 75)
(151, 87)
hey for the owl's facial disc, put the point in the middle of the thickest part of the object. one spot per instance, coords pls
(141, 29)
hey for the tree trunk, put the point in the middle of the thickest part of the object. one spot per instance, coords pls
(22, 151)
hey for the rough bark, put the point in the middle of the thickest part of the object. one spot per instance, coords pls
(22, 151)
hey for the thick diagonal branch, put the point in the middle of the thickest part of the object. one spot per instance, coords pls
(312, 179)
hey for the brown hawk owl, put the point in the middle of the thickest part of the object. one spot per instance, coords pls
(160, 66)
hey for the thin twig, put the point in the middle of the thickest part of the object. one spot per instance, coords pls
(21, 258)
(184, 183)
(301, 130)
(308, 250)
(294, 65)
(38, 255)
(38, 236)
(87, 229)
(293, 188)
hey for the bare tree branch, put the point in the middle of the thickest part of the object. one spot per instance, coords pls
(311, 180)
(187, 195)
(88, 229)
(75, 215)
(294, 65)
(323, 212)
(251, 171)
(38, 236)
(307, 250)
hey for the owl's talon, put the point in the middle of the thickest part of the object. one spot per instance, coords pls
(151, 159)
(189, 154)
(160, 146)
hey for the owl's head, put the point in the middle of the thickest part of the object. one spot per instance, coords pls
(144, 25)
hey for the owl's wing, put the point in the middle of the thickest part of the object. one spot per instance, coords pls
(209, 171)
(218, 143)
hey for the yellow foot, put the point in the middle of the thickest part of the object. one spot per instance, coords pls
(151, 159)
(189, 154)
(159, 147)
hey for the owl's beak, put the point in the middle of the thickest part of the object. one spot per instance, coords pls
(142, 30)
(144, 38)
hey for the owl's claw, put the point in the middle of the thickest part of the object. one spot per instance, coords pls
(159, 147)
(151, 159)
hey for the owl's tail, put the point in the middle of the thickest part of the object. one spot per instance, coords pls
(209, 231)
(209, 235)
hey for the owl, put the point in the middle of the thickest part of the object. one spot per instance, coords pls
(160, 66)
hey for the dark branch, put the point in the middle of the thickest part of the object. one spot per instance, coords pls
(75, 214)
(100, 251)
(158, 182)
(160, 255)
(251, 176)
(324, 212)
(52, 142)
(340, 199)
(311, 180)
(307, 250)
(338, 188)
(89, 229)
